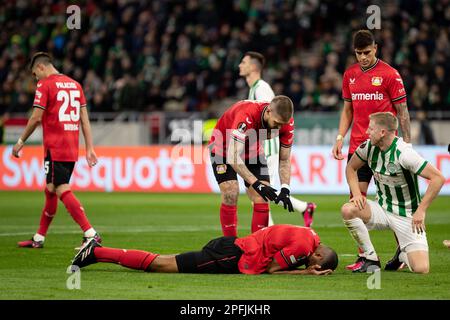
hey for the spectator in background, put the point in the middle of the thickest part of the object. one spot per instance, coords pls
(4, 116)
(159, 39)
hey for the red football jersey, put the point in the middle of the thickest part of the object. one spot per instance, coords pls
(244, 122)
(61, 98)
(375, 89)
(287, 244)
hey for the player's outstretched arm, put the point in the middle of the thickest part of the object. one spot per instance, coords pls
(235, 149)
(285, 178)
(33, 122)
(91, 157)
(285, 165)
(404, 121)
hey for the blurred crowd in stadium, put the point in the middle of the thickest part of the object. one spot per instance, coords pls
(184, 55)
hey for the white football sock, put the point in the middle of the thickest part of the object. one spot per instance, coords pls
(298, 205)
(38, 237)
(360, 234)
(89, 233)
(403, 257)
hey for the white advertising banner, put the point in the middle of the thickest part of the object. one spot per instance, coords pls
(315, 171)
(164, 169)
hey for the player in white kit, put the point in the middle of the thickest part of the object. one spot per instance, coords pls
(398, 206)
(251, 68)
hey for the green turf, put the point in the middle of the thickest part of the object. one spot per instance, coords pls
(171, 223)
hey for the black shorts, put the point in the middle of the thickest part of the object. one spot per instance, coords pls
(57, 172)
(220, 255)
(364, 173)
(224, 172)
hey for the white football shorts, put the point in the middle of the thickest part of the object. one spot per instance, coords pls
(402, 226)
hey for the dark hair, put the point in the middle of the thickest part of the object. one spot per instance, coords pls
(257, 58)
(40, 57)
(362, 39)
(330, 258)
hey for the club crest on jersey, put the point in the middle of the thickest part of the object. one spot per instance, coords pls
(376, 81)
(363, 145)
(242, 127)
(391, 167)
(221, 169)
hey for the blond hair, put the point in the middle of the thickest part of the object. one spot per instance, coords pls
(282, 106)
(386, 120)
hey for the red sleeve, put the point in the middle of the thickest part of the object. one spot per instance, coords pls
(41, 95)
(346, 95)
(287, 257)
(395, 88)
(287, 134)
(241, 127)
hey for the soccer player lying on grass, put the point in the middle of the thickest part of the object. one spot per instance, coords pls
(278, 249)
(398, 206)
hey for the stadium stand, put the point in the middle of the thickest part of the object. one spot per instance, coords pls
(182, 56)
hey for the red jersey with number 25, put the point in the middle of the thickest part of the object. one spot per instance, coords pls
(61, 98)
(375, 89)
(287, 244)
(244, 123)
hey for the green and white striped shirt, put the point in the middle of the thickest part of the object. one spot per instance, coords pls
(395, 172)
(262, 91)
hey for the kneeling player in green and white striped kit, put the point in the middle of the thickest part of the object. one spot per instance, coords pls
(398, 206)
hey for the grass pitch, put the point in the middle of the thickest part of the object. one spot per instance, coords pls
(173, 223)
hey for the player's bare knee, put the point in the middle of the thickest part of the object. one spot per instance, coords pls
(51, 188)
(348, 211)
(230, 192)
(61, 189)
(422, 268)
(258, 199)
(230, 199)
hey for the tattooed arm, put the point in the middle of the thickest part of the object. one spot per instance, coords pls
(234, 159)
(404, 121)
(285, 165)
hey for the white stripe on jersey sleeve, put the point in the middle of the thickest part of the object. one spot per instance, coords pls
(362, 151)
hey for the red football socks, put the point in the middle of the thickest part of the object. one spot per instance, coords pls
(260, 217)
(228, 220)
(49, 211)
(75, 209)
(133, 259)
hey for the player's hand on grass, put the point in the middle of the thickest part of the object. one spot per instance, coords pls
(418, 221)
(265, 191)
(284, 197)
(317, 270)
(91, 158)
(359, 201)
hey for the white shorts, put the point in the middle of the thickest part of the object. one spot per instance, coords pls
(409, 241)
(273, 164)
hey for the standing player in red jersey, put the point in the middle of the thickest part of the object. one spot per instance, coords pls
(236, 148)
(60, 106)
(278, 249)
(369, 86)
